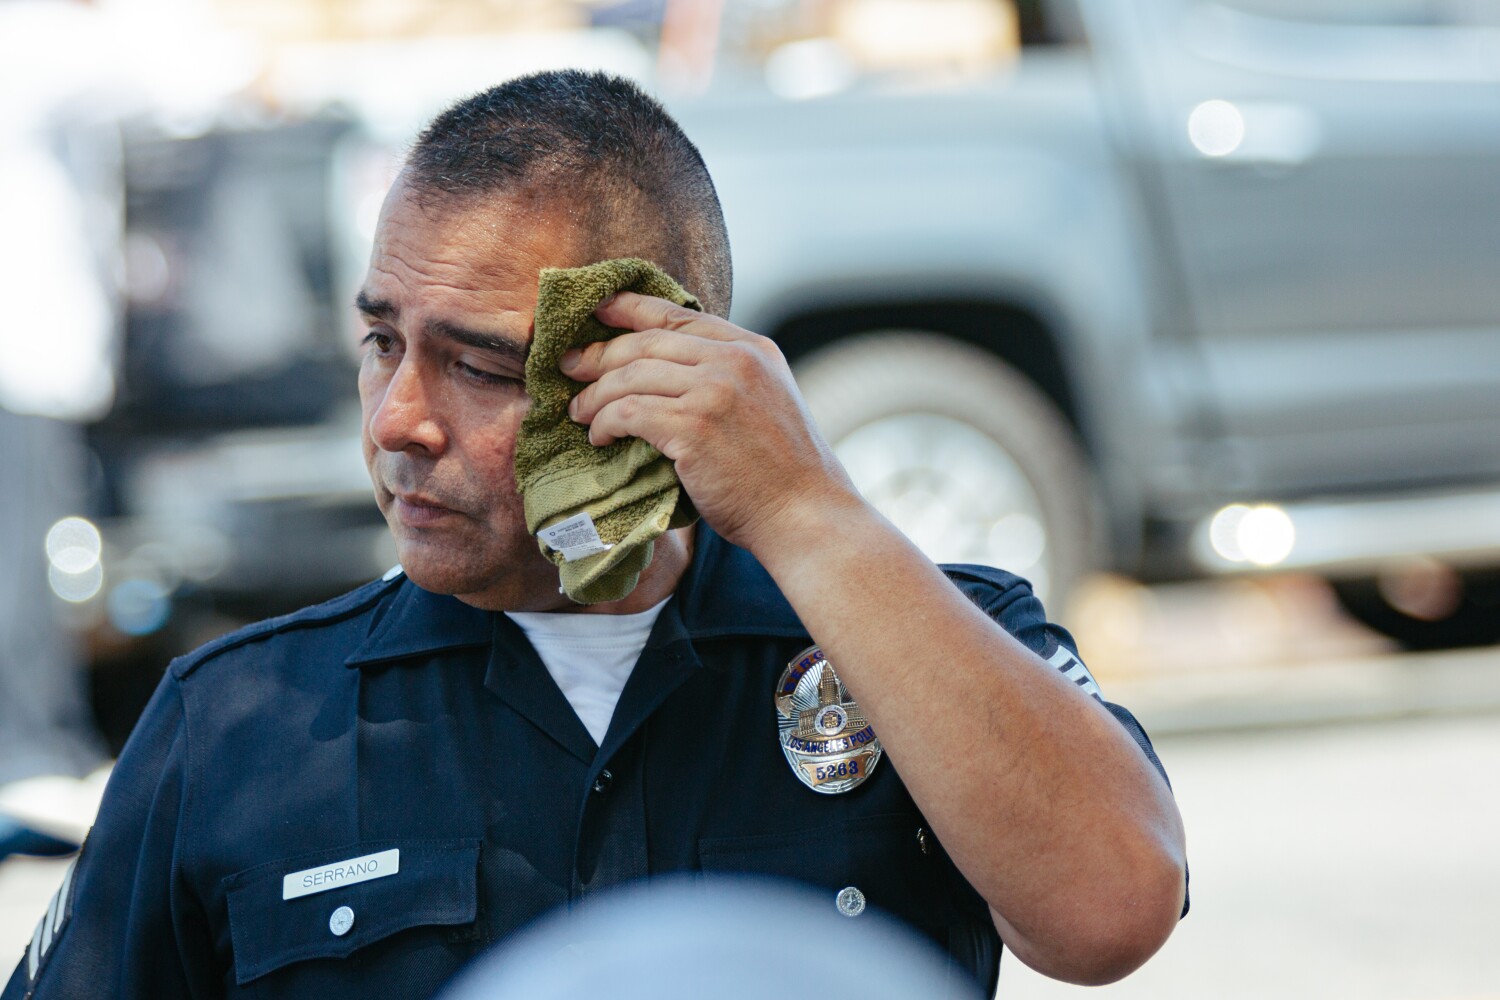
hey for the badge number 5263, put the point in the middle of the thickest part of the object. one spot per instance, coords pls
(837, 770)
(843, 769)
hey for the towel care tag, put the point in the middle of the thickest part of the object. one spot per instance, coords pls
(575, 537)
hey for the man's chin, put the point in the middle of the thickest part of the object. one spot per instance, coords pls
(442, 577)
(500, 582)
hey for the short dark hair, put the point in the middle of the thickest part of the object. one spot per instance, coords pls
(604, 145)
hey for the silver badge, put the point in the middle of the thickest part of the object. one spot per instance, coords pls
(826, 739)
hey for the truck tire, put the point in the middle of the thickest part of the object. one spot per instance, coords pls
(963, 453)
(1474, 619)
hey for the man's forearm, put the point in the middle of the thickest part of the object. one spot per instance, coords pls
(1038, 794)
(1041, 798)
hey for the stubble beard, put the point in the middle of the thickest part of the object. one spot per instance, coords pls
(494, 564)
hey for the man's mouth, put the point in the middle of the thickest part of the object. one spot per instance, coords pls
(416, 511)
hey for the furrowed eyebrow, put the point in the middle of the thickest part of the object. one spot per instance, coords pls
(375, 308)
(502, 347)
(488, 342)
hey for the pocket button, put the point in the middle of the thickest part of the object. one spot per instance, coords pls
(850, 901)
(341, 921)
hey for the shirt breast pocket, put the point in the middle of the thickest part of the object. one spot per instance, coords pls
(395, 910)
(881, 859)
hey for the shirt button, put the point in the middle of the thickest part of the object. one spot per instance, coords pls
(601, 783)
(341, 921)
(850, 901)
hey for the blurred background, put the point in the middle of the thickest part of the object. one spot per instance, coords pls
(1187, 311)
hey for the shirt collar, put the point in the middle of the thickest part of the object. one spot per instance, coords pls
(417, 622)
(725, 592)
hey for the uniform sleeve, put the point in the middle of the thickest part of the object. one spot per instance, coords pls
(120, 924)
(1010, 601)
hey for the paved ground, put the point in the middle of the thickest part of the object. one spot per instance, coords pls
(1350, 861)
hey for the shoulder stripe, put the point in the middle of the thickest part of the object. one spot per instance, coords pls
(65, 897)
(49, 928)
(1073, 669)
(49, 924)
(34, 953)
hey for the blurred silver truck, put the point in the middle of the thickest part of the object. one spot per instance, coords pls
(1191, 289)
(1203, 288)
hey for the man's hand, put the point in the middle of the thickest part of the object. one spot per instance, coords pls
(717, 400)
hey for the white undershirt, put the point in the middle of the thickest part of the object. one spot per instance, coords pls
(589, 656)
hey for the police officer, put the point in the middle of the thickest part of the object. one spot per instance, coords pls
(358, 797)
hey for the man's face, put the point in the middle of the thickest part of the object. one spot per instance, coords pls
(448, 302)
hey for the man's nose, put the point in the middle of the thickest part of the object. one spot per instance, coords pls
(405, 415)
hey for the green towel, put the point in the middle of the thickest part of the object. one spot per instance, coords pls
(628, 488)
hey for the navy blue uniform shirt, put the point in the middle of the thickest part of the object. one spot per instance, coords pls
(246, 840)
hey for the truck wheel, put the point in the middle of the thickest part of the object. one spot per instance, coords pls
(963, 453)
(1469, 616)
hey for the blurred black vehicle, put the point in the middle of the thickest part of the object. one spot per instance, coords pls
(229, 485)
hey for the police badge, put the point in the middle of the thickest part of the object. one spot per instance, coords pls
(827, 741)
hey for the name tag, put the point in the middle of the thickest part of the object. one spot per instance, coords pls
(341, 873)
